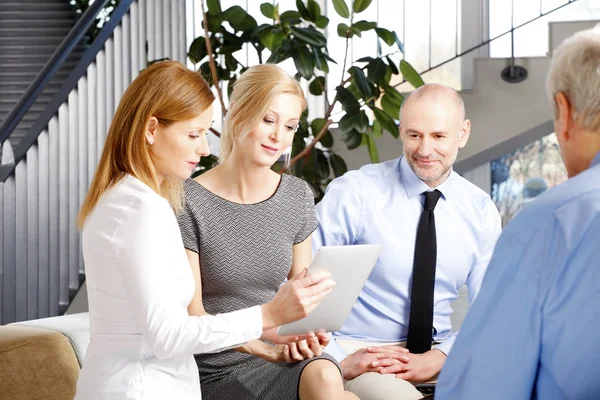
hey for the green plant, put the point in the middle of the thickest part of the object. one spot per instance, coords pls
(81, 5)
(369, 103)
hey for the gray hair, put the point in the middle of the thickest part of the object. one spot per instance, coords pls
(575, 72)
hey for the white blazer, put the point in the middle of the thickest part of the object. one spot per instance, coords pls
(139, 284)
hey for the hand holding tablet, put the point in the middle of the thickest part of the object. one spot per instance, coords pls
(350, 266)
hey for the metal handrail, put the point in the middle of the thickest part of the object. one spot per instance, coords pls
(70, 83)
(488, 41)
(52, 66)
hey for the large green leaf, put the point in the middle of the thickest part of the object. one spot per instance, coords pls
(352, 138)
(373, 153)
(310, 36)
(316, 125)
(290, 16)
(348, 101)
(390, 104)
(410, 74)
(322, 22)
(392, 65)
(304, 62)
(214, 7)
(364, 25)
(314, 10)
(337, 164)
(320, 61)
(376, 70)
(398, 42)
(321, 164)
(197, 50)
(343, 30)
(385, 35)
(341, 8)
(361, 5)
(327, 139)
(317, 86)
(357, 122)
(303, 10)
(376, 130)
(246, 25)
(360, 81)
(386, 122)
(271, 39)
(234, 14)
(268, 10)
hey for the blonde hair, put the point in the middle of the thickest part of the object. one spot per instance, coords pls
(252, 95)
(166, 90)
(575, 72)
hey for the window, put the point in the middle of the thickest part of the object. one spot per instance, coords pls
(519, 177)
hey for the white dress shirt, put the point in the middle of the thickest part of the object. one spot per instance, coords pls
(139, 284)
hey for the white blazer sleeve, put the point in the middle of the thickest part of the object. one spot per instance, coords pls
(147, 256)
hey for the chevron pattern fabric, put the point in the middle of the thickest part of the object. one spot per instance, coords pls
(245, 254)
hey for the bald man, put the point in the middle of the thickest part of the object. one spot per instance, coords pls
(438, 233)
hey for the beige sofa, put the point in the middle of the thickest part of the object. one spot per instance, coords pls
(41, 359)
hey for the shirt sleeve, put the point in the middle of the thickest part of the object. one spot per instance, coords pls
(335, 350)
(146, 256)
(188, 225)
(339, 213)
(309, 217)
(496, 354)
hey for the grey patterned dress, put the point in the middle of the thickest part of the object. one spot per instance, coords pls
(245, 254)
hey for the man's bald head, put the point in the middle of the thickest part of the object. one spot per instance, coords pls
(435, 91)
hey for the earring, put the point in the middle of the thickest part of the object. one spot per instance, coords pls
(150, 142)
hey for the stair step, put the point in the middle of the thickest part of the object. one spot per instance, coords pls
(22, 25)
(49, 15)
(32, 66)
(31, 40)
(35, 31)
(37, 6)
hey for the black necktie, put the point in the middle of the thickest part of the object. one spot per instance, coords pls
(420, 325)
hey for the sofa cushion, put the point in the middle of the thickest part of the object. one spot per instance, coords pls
(36, 363)
(76, 327)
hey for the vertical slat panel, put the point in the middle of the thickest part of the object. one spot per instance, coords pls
(118, 82)
(91, 120)
(33, 271)
(127, 55)
(110, 78)
(8, 251)
(101, 83)
(174, 45)
(48, 303)
(165, 27)
(73, 162)
(157, 34)
(150, 33)
(182, 24)
(83, 145)
(63, 201)
(135, 40)
(54, 220)
(21, 238)
(142, 45)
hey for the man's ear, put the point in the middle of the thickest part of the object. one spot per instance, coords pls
(464, 133)
(151, 130)
(564, 116)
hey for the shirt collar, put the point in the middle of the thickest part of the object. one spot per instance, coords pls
(596, 160)
(415, 186)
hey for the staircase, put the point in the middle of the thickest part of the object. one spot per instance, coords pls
(27, 40)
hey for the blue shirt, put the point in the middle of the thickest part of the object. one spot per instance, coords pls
(382, 203)
(533, 331)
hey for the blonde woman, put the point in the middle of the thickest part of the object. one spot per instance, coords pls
(138, 278)
(246, 229)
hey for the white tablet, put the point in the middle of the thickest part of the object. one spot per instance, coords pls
(350, 266)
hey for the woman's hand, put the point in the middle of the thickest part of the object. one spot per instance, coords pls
(296, 298)
(306, 349)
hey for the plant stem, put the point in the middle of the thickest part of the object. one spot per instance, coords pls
(211, 60)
